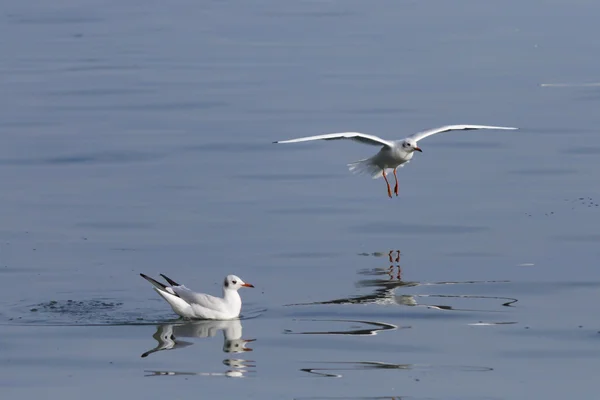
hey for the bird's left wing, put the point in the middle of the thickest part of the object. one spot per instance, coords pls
(204, 300)
(357, 136)
(421, 135)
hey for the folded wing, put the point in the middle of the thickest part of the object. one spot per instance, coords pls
(356, 136)
(201, 299)
(421, 135)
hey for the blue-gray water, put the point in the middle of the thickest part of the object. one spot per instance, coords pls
(136, 137)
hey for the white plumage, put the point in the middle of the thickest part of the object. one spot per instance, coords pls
(393, 154)
(190, 304)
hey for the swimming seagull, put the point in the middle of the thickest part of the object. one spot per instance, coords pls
(393, 154)
(189, 304)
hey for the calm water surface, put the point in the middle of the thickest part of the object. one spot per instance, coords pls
(136, 137)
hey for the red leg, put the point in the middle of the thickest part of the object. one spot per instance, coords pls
(387, 183)
(396, 187)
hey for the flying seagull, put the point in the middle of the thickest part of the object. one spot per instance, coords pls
(393, 153)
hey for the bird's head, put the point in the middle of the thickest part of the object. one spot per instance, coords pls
(410, 146)
(237, 345)
(233, 282)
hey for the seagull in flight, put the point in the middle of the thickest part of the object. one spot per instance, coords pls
(192, 305)
(393, 153)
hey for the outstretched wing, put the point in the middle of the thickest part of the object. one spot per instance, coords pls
(356, 136)
(421, 135)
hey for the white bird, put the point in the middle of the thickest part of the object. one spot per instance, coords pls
(190, 304)
(393, 154)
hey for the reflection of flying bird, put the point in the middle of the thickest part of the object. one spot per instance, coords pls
(384, 294)
(167, 335)
(190, 304)
(393, 153)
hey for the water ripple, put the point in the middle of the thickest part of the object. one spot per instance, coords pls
(106, 157)
(377, 365)
(94, 312)
(396, 227)
(366, 331)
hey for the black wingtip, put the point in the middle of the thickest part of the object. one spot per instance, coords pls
(171, 281)
(153, 282)
(146, 277)
(275, 142)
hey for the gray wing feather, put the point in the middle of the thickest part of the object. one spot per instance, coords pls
(204, 300)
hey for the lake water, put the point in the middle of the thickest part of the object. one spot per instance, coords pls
(136, 137)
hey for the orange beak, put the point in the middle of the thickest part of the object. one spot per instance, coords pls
(248, 285)
(418, 149)
(248, 341)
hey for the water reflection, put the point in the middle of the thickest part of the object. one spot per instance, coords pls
(166, 340)
(387, 281)
(385, 294)
(331, 367)
(167, 335)
(371, 328)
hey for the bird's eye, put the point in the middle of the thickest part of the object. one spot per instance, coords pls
(234, 282)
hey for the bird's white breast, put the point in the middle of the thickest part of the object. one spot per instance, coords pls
(397, 156)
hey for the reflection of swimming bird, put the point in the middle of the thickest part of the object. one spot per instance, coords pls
(189, 304)
(393, 154)
(166, 340)
(167, 335)
(232, 333)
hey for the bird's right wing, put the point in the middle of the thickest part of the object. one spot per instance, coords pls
(356, 136)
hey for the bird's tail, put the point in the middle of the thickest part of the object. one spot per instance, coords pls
(154, 282)
(159, 286)
(171, 281)
(366, 166)
(178, 305)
